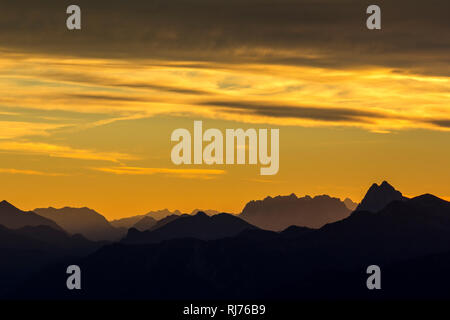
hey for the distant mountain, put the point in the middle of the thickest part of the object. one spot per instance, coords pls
(283, 211)
(131, 221)
(145, 223)
(13, 218)
(160, 214)
(208, 212)
(84, 221)
(200, 226)
(126, 223)
(167, 220)
(350, 204)
(379, 196)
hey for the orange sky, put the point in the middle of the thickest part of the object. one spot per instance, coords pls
(80, 129)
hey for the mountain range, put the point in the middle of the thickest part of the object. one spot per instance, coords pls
(199, 226)
(84, 221)
(13, 218)
(298, 263)
(130, 222)
(280, 212)
(28, 249)
(224, 256)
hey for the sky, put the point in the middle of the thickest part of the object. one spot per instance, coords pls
(86, 116)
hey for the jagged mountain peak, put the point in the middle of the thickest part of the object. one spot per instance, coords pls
(379, 196)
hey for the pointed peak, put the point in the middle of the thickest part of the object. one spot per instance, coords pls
(379, 196)
(386, 184)
(7, 207)
(374, 186)
(6, 204)
(383, 185)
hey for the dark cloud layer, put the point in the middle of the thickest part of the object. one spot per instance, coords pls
(443, 123)
(327, 33)
(112, 82)
(107, 97)
(324, 114)
(299, 112)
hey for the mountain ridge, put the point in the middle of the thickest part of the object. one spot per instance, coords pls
(199, 226)
(378, 196)
(13, 218)
(280, 212)
(84, 220)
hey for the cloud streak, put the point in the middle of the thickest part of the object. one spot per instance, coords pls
(30, 172)
(300, 112)
(60, 151)
(180, 173)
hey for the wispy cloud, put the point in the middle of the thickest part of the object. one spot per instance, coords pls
(30, 172)
(301, 112)
(181, 173)
(15, 129)
(60, 151)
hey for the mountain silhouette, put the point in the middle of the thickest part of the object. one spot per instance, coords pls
(224, 257)
(145, 223)
(200, 226)
(160, 214)
(298, 263)
(404, 229)
(126, 223)
(14, 218)
(27, 250)
(167, 220)
(350, 204)
(129, 222)
(84, 221)
(379, 196)
(208, 212)
(283, 211)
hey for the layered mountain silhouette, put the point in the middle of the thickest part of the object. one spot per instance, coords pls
(145, 223)
(200, 226)
(281, 212)
(167, 220)
(298, 263)
(84, 221)
(350, 204)
(14, 218)
(209, 212)
(224, 257)
(126, 223)
(379, 196)
(129, 222)
(28, 249)
(132, 222)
